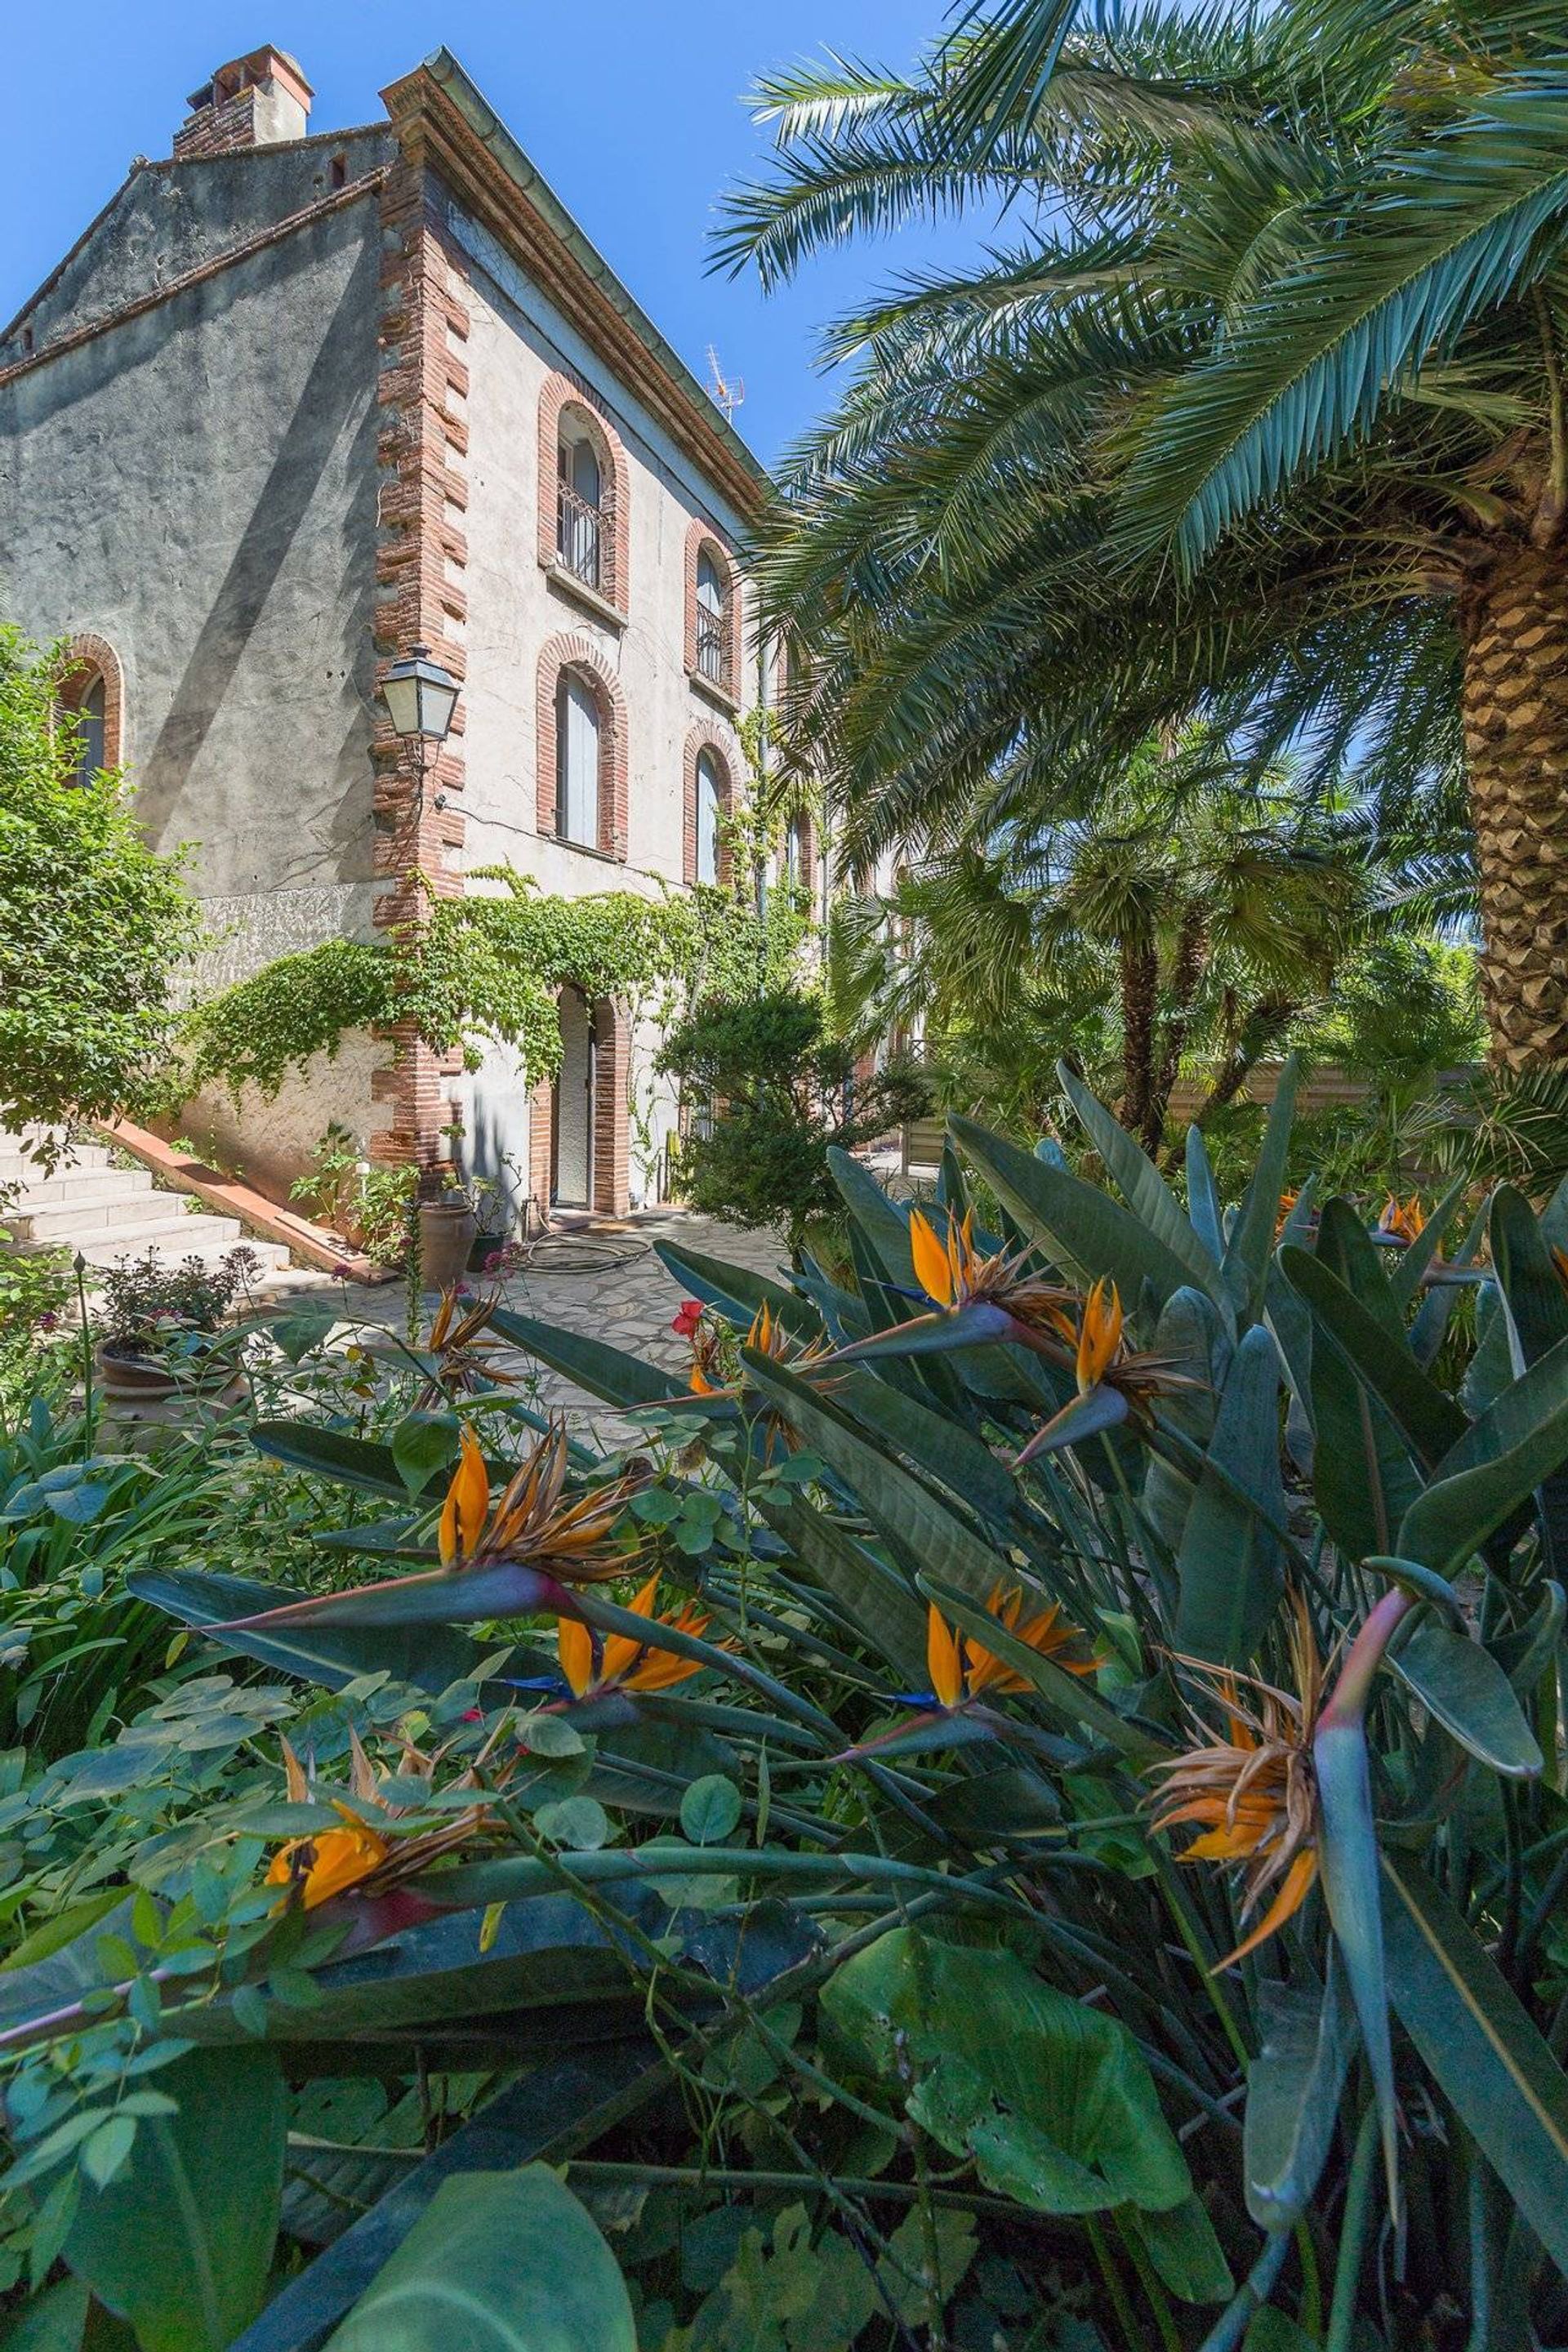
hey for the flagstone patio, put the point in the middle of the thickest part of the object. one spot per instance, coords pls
(603, 1279)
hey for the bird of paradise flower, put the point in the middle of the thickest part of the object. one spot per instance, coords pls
(1254, 1794)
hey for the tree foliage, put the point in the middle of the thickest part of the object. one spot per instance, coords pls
(94, 926)
(1249, 407)
(779, 1094)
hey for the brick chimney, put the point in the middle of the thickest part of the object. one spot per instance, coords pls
(250, 102)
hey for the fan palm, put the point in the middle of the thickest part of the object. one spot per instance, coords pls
(1209, 910)
(1259, 411)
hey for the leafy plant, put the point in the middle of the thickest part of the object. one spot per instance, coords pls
(94, 925)
(367, 1204)
(151, 1308)
(776, 1095)
(1027, 1798)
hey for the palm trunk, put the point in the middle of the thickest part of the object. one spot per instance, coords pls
(1140, 988)
(1186, 973)
(1515, 629)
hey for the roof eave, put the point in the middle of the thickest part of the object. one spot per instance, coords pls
(437, 111)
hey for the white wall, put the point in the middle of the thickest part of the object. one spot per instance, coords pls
(516, 340)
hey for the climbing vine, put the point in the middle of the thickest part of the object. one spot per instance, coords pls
(489, 968)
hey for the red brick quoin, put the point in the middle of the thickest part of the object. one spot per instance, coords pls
(421, 447)
(569, 651)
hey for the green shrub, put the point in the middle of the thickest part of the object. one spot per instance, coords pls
(779, 1096)
(94, 926)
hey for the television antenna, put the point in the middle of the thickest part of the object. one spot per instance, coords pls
(722, 392)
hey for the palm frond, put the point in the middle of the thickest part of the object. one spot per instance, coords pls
(1445, 231)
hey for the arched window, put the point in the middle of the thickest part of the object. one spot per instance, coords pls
(583, 496)
(797, 853)
(712, 620)
(576, 760)
(91, 713)
(91, 693)
(580, 516)
(711, 798)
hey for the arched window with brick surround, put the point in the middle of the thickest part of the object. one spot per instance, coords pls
(800, 853)
(583, 494)
(713, 612)
(582, 768)
(92, 691)
(709, 794)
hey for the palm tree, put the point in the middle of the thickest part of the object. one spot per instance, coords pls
(1258, 411)
(1187, 916)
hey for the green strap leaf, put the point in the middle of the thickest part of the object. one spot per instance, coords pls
(1142, 1186)
(593, 1364)
(1456, 1514)
(1537, 1306)
(1465, 1689)
(1488, 2059)
(352, 1461)
(426, 1658)
(1229, 1565)
(1251, 1240)
(885, 1225)
(1293, 2089)
(1203, 1199)
(1427, 1416)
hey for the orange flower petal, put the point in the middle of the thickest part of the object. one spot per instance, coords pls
(933, 1267)
(1100, 1333)
(1294, 1889)
(574, 1648)
(942, 1661)
(330, 1864)
(468, 1503)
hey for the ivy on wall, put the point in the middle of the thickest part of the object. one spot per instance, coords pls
(482, 969)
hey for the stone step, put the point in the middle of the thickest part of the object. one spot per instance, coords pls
(192, 1238)
(58, 1221)
(78, 1189)
(18, 1167)
(110, 1213)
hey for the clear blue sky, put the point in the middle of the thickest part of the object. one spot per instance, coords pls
(632, 108)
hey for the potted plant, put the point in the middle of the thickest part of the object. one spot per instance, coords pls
(447, 1230)
(492, 1219)
(159, 1323)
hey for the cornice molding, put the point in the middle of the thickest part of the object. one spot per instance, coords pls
(434, 131)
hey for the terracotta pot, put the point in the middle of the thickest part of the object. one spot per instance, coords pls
(446, 1230)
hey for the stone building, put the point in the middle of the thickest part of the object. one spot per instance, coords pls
(297, 402)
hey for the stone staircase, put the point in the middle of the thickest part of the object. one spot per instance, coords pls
(107, 1212)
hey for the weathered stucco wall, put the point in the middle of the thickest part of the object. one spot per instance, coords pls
(198, 486)
(517, 340)
(173, 217)
(269, 1140)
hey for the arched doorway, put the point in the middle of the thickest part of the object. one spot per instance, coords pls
(572, 1123)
